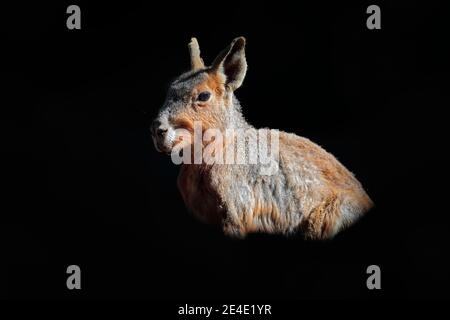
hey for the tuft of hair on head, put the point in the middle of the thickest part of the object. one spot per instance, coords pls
(194, 51)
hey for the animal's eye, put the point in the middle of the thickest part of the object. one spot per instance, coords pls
(204, 96)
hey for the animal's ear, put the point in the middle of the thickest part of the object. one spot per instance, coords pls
(194, 51)
(232, 63)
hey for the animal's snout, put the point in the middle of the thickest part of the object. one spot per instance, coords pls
(160, 134)
(158, 129)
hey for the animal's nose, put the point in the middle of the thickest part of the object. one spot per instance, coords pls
(157, 129)
(161, 131)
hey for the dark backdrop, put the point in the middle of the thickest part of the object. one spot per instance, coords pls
(82, 184)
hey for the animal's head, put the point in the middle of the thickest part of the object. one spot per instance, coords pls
(202, 94)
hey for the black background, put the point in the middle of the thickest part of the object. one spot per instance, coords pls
(81, 182)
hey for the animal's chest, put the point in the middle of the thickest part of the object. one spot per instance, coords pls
(199, 194)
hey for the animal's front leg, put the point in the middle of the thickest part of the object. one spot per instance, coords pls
(234, 208)
(233, 230)
(233, 227)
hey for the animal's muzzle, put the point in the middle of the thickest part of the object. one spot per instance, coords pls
(159, 132)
